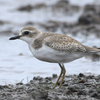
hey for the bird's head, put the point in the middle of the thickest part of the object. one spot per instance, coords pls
(27, 34)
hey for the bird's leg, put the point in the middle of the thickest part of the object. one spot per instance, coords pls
(64, 71)
(59, 75)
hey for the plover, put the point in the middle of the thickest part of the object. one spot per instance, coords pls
(54, 48)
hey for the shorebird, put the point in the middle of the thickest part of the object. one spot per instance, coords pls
(54, 48)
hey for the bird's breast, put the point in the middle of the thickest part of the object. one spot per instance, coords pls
(50, 55)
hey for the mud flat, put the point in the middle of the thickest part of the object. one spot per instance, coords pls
(74, 87)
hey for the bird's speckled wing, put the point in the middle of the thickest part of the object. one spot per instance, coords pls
(64, 43)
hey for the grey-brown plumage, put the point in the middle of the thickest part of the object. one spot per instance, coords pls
(38, 42)
(61, 43)
(30, 29)
(64, 43)
(54, 48)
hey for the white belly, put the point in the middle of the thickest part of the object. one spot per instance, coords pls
(49, 55)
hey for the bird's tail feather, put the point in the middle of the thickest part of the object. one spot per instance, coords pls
(93, 53)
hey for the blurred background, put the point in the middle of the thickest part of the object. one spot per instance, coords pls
(78, 19)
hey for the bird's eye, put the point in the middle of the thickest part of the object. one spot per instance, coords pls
(26, 32)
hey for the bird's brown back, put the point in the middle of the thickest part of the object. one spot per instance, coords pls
(58, 42)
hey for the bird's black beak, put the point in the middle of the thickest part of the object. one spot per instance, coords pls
(15, 37)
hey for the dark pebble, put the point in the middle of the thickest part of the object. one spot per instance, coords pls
(25, 8)
(72, 89)
(65, 84)
(81, 75)
(31, 82)
(19, 83)
(90, 76)
(28, 84)
(1, 87)
(54, 76)
(35, 78)
(95, 95)
(91, 91)
(48, 78)
(44, 81)
(39, 95)
(81, 93)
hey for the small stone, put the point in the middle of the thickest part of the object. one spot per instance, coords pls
(19, 83)
(44, 81)
(28, 84)
(49, 78)
(90, 76)
(64, 98)
(95, 95)
(1, 87)
(81, 75)
(98, 90)
(35, 78)
(39, 95)
(54, 76)
(82, 92)
(31, 82)
(5, 86)
(68, 92)
(39, 78)
(30, 90)
(25, 8)
(20, 54)
(65, 84)
(72, 89)
(91, 91)
(84, 20)
(87, 83)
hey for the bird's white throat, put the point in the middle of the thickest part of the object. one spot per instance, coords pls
(26, 39)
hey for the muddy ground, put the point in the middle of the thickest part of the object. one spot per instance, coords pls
(74, 87)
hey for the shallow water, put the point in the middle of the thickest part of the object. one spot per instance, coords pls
(17, 62)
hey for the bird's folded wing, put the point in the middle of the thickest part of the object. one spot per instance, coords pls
(64, 43)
